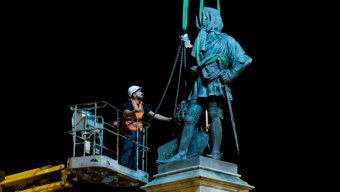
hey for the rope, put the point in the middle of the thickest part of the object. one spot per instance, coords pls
(179, 79)
(167, 86)
(183, 55)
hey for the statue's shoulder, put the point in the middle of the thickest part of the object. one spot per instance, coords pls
(228, 38)
(225, 38)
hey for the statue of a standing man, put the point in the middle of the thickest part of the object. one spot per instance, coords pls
(220, 60)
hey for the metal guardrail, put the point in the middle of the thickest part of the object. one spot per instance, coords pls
(92, 135)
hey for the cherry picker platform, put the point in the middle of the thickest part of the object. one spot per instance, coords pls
(95, 158)
(97, 161)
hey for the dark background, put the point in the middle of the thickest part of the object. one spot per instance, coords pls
(58, 54)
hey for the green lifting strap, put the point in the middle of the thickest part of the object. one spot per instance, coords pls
(218, 6)
(185, 15)
(200, 22)
(222, 60)
(201, 7)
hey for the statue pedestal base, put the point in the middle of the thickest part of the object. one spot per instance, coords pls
(198, 174)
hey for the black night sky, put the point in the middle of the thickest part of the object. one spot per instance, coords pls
(59, 54)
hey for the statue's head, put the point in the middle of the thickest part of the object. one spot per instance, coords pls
(211, 20)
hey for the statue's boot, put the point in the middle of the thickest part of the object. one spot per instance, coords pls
(178, 156)
(215, 155)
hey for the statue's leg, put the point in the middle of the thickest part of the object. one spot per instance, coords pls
(216, 131)
(190, 120)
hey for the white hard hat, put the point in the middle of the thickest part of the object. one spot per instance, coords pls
(133, 89)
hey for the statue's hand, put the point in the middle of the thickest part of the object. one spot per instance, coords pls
(213, 75)
(226, 76)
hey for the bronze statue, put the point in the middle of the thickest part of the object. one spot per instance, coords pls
(220, 60)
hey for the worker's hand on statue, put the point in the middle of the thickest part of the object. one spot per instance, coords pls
(172, 120)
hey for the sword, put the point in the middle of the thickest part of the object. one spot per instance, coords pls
(229, 99)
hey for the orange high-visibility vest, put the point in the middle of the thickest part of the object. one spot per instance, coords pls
(132, 123)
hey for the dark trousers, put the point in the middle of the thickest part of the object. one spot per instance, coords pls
(128, 156)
